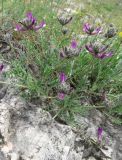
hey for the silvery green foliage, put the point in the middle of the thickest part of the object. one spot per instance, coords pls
(65, 30)
(4, 47)
(64, 87)
(68, 52)
(64, 20)
(111, 32)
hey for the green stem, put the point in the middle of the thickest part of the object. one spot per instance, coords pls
(2, 12)
(72, 65)
(98, 76)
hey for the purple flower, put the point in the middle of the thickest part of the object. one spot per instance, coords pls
(91, 30)
(74, 44)
(31, 19)
(99, 134)
(104, 55)
(1, 67)
(29, 23)
(98, 50)
(70, 51)
(62, 77)
(61, 96)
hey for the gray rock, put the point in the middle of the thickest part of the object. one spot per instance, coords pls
(2, 157)
(35, 136)
(3, 92)
(31, 133)
(88, 127)
(4, 121)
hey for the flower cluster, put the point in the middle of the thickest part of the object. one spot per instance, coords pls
(98, 50)
(29, 23)
(70, 51)
(62, 78)
(91, 30)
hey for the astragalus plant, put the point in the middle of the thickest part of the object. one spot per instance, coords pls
(71, 75)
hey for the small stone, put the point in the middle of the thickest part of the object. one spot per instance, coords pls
(15, 156)
(7, 147)
(2, 156)
(91, 158)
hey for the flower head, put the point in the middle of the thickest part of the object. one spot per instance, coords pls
(98, 50)
(74, 44)
(91, 30)
(61, 96)
(64, 19)
(111, 32)
(70, 51)
(99, 134)
(29, 23)
(62, 77)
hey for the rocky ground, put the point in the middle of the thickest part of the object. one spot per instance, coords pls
(28, 132)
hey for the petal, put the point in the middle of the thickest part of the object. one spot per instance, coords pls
(109, 54)
(41, 25)
(100, 130)
(104, 55)
(61, 96)
(99, 133)
(97, 30)
(86, 27)
(31, 18)
(29, 15)
(103, 48)
(74, 44)
(1, 67)
(89, 47)
(19, 28)
(62, 77)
